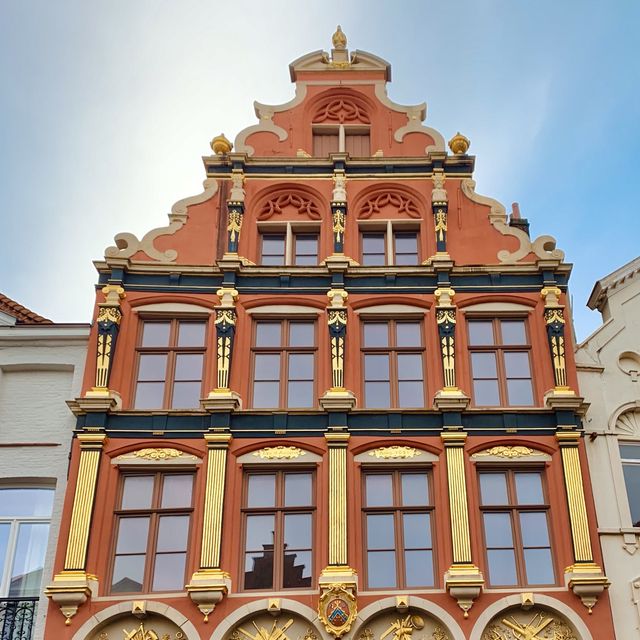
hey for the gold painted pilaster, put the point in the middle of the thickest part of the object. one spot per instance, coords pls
(584, 577)
(72, 586)
(463, 580)
(210, 583)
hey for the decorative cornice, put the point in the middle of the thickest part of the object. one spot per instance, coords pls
(395, 452)
(279, 453)
(509, 452)
(157, 454)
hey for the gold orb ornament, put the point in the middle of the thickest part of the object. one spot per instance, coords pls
(459, 144)
(221, 145)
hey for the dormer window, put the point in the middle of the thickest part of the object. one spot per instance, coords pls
(352, 139)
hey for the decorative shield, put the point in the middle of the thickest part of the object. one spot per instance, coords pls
(337, 609)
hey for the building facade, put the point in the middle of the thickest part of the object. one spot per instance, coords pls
(41, 364)
(608, 364)
(334, 397)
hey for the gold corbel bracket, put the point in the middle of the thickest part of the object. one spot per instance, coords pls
(71, 589)
(207, 589)
(464, 583)
(587, 581)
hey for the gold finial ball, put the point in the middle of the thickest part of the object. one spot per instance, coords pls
(338, 39)
(459, 144)
(221, 145)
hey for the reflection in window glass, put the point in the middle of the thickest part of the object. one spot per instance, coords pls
(28, 560)
(137, 492)
(630, 455)
(26, 501)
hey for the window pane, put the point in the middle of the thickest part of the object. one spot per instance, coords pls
(301, 334)
(417, 530)
(534, 529)
(132, 535)
(379, 490)
(406, 248)
(153, 367)
(380, 534)
(408, 334)
(627, 451)
(273, 249)
(297, 531)
(26, 502)
(484, 365)
(481, 332)
(300, 395)
(128, 574)
(497, 530)
(493, 488)
(632, 482)
(520, 393)
(191, 334)
(297, 490)
(409, 366)
(261, 490)
(268, 334)
(539, 566)
(260, 532)
(418, 568)
(186, 395)
(267, 366)
(415, 489)
(266, 394)
(173, 533)
(410, 394)
(5, 529)
(176, 491)
(155, 334)
(301, 366)
(513, 332)
(516, 364)
(376, 367)
(373, 249)
(381, 569)
(529, 488)
(28, 560)
(189, 366)
(502, 567)
(168, 573)
(297, 569)
(258, 569)
(486, 392)
(376, 334)
(137, 492)
(377, 395)
(149, 395)
(306, 249)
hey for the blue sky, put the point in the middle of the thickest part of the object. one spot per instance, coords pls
(106, 109)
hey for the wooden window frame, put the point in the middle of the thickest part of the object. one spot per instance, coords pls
(393, 351)
(514, 509)
(154, 514)
(279, 510)
(171, 350)
(499, 348)
(397, 509)
(389, 230)
(290, 230)
(342, 131)
(284, 350)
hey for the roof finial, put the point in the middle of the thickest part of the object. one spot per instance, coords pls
(338, 39)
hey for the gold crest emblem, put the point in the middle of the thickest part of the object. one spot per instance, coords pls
(337, 609)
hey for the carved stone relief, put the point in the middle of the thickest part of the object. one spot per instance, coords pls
(152, 627)
(299, 203)
(628, 424)
(532, 624)
(378, 202)
(264, 626)
(342, 109)
(408, 625)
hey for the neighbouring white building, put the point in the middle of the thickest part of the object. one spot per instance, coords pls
(41, 366)
(609, 372)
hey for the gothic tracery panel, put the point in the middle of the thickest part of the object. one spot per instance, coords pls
(342, 109)
(387, 203)
(291, 204)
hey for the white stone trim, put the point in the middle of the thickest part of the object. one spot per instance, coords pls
(391, 309)
(284, 310)
(172, 307)
(496, 307)
(124, 608)
(516, 600)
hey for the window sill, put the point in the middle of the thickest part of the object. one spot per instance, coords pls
(270, 594)
(141, 596)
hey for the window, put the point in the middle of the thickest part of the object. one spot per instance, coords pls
(170, 364)
(152, 532)
(500, 365)
(392, 355)
(284, 364)
(295, 246)
(391, 246)
(516, 528)
(24, 532)
(398, 529)
(630, 455)
(356, 141)
(278, 529)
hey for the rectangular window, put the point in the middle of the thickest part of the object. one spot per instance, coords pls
(305, 249)
(295, 246)
(357, 145)
(325, 143)
(398, 525)
(284, 364)
(516, 528)
(170, 364)
(500, 362)
(273, 249)
(630, 456)
(152, 532)
(393, 354)
(278, 513)
(389, 247)
(356, 141)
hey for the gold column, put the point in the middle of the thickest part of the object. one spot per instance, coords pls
(209, 584)
(463, 579)
(71, 586)
(585, 577)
